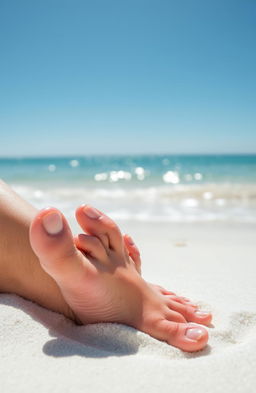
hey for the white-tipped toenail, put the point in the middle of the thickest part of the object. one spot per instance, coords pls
(91, 212)
(194, 333)
(201, 313)
(52, 223)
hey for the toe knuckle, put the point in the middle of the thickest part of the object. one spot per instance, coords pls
(113, 227)
(182, 319)
(173, 328)
(97, 242)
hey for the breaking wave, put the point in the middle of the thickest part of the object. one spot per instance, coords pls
(176, 202)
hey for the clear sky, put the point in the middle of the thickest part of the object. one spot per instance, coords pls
(123, 76)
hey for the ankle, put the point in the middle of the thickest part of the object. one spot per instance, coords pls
(25, 277)
(20, 269)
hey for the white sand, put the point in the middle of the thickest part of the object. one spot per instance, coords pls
(214, 265)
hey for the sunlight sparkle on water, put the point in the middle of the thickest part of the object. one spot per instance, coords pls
(101, 176)
(74, 163)
(124, 175)
(140, 173)
(171, 177)
(51, 168)
(198, 176)
(113, 176)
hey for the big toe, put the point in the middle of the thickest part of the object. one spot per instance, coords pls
(186, 336)
(98, 224)
(52, 241)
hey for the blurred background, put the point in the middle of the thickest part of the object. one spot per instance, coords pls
(145, 109)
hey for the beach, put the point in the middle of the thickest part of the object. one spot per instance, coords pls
(213, 264)
(143, 112)
(196, 237)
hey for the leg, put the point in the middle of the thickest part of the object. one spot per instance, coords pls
(102, 284)
(20, 270)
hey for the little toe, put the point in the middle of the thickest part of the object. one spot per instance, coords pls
(52, 241)
(164, 291)
(133, 251)
(188, 337)
(97, 224)
(90, 245)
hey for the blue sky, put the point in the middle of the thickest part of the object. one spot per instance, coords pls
(114, 76)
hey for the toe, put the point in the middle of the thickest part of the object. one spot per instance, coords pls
(164, 291)
(202, 317)
(97, 224)
(133, 252)
(191, 314)
(175, 316)
(90, 245)
(52, 241)
(181, 300)
(187, 337)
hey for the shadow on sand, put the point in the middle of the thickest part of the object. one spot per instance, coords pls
(94, 341)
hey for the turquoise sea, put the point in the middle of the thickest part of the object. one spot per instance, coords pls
(141, 187)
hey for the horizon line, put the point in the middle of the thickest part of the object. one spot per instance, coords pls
(79, 155)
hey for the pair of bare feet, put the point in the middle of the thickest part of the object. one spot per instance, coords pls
(98, 273)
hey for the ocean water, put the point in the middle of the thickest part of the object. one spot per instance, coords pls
(141, 187)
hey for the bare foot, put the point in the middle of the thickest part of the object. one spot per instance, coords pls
(102, 283)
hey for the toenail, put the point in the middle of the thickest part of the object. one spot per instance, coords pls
(191, 304)
(91, 212)
(52, 223)
(130, 241)
(201, 313)
(194, 333)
